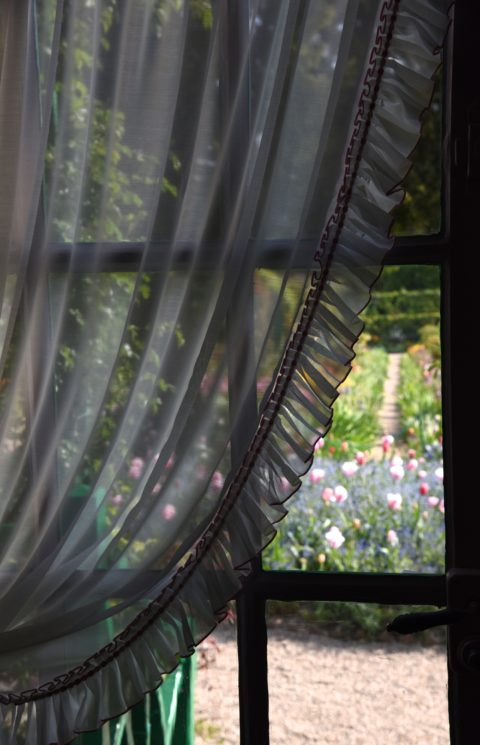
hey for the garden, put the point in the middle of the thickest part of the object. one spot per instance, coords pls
(373, 499)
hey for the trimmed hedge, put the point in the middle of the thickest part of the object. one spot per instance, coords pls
(395, 318)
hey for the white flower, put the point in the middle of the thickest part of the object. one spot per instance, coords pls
(439, 473)
(394, 501)
(340, 493)
(334, 537)
(397, 472)
(316, 475)
(349, 468)
(392, 537)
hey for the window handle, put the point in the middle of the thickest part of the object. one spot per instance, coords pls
(411, 623)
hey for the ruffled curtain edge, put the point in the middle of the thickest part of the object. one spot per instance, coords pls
(356, 236)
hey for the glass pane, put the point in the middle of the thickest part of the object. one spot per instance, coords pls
(420, 212)
(373, 500)
(333, 679)
(216, 689)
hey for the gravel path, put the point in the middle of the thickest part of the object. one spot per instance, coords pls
(328, 691)
(389, 414)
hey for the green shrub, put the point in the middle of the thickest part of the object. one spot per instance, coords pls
(355, 421)
(395, 317)
(419, 399)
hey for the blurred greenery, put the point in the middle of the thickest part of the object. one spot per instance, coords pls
(419, 398)
(404, 301)
(362, 621)
(420, 212)
(355, 418)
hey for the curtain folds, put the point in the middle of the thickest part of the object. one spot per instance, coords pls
(195, 202)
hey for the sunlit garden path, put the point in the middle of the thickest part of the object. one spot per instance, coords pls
(389, 416)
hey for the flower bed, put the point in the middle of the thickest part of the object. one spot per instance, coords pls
(365, 514)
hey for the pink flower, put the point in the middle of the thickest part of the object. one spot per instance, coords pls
(217, 481)
(349, 468)
(316, 475)
(136, 468)
(439, 473)
(341, 494)
(423, 488)
(334, 537)
(156, 488)
(412, 453)
(433, 501)
(360, 458)
(117, 499)
(412, 464)
(169, 463)
(394, 501)
(441, 506)
(422, 474)
(319, 444)
(286, 486)
(328, 495)
(392, 537)
(169, 512)
(387, 442)
(397, 472)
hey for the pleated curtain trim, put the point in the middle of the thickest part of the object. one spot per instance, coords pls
(397, 89)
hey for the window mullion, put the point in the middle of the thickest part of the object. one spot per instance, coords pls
(401, 589)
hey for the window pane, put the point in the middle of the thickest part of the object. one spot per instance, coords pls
(332, 679)
(373, 500)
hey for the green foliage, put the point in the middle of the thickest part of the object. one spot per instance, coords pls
(396, 316)
(209, 732)
(202, 10)
(355, 418)
(419, 398)
(408, 277)
(420, 212)
(362, 621)
(116, 179)
(405, 299)
(430, 339)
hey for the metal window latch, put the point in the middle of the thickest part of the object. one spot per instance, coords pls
(411, 623)
(462, 616)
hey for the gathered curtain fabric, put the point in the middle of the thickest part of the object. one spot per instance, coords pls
(195, 202)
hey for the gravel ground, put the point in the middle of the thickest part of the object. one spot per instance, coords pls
(327, 691)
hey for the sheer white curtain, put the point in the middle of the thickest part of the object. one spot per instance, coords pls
(194, 204)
